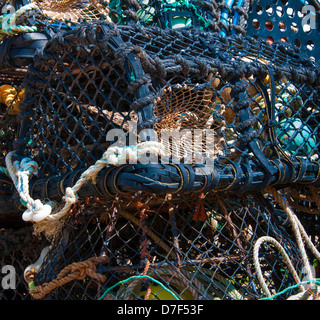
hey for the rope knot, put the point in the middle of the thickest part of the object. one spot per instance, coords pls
(37, 211)
(112, 156)
(28, 165)
(74, 271)
(70, 197)
(80, 270)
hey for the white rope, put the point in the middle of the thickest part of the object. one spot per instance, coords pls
(300, 235)
(20, 173)
(113, 156)
(306, 238)
(296, 227)
(284, 256)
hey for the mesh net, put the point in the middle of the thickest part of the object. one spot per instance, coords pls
(183, 230)
(217, 16)
(195, 256)
(261, 102)
(209, 15)
(166, 14)
(180, 90)
(73, 10)
(211, 102)
(19, 247)
(93, 95)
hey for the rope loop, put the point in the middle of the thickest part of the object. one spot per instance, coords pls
(8, 22)
(20, 173)
(300, 235)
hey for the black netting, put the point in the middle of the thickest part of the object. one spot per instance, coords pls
(261, 101)
(167, 14)
(19, 248)
(206, 256)
(87, 89)
(280, 98)
(181, 228)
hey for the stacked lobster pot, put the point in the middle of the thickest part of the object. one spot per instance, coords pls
(167, 161)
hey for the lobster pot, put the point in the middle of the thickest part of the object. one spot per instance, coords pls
(85, 88)
(259, 102)
(189, 223)
(192, 257)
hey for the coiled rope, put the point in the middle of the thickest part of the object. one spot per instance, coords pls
(283, 254)
(300, 235)
(11, 98)
(8, 22)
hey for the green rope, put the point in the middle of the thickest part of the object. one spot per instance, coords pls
(5, 171)
(139, 277)
(317, 282)
(7, 22)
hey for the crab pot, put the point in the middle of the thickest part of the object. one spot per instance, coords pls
(188, 221)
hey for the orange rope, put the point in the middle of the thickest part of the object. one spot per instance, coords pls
(144, 244)
(74, 271)
(200, 214)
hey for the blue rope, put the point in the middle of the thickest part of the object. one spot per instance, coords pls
(139, 277)
(317, 282)
(225, 15)
(236, 15)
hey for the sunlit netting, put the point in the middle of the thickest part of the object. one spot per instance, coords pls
(74, 10)
(195, 253)
(210, 15)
